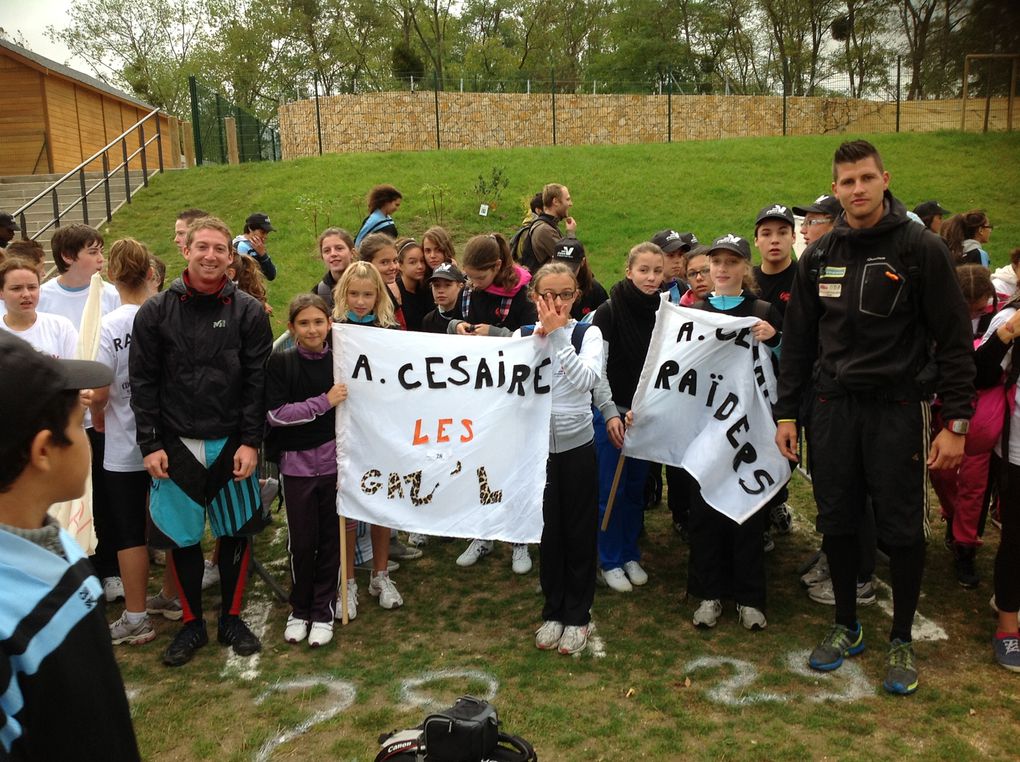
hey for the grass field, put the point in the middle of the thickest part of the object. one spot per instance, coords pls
(654, 687)
(622, 194)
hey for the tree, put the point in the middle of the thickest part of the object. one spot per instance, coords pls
(145, 46)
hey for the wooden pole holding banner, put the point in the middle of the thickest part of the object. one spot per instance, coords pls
(343, 572)
(612, 491)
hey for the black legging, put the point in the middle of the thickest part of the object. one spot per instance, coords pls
(1007, 558)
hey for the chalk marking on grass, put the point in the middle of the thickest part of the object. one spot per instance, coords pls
(256, 614)
(731, 690)
(848, 683)
(923, 627)
(411, 697)
(343, 692)
(596, 645)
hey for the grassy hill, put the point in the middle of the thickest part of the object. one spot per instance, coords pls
(622, 194)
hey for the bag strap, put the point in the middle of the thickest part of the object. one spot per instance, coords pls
(524, 750)
(576, 336)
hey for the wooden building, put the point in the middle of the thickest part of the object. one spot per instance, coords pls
(52, 118)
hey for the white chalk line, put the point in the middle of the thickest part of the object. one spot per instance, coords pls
(343, 694)
(410, 696)
(256, 615)
(848, 682)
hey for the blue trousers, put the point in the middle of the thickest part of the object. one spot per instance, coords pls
(619, 543)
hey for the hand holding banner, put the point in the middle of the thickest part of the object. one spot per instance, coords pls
(443, 435)
(703, 403)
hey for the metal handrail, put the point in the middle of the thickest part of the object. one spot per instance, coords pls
(143, 144)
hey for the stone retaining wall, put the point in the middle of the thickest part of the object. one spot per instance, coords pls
(405, 121)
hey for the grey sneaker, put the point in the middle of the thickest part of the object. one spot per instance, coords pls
(901, 675)
(402, 552)
(574, 639)
(210, 575)
(113, 588)
(416, 539)
(822, 593)
(548, 636)
(708, 613)
(751, 618)
(391, 566)
(1007, 651)
(819, 572)
(352, 602)
(169, 608)
(838, 643)
(781, 519)
(520, 561)
(123, 631)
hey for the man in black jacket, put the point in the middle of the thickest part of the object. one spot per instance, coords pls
(875, 323)
(197, 391)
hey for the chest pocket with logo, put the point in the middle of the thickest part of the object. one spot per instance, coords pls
(881, 289)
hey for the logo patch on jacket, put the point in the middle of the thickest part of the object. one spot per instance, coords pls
(833, 290)
(834, 272)
(220, 324)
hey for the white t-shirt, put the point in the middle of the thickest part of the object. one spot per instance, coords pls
(56, 299)
(122, 453)
(51, 334)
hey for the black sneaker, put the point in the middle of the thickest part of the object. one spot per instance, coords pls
(189, 639)
(233, 632)
(966, 573)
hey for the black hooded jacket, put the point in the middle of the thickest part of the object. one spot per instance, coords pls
(873, 312)
(198, 366)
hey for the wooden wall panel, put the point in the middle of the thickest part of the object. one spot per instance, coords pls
(91, 127)
(22, 120)
(63, 120)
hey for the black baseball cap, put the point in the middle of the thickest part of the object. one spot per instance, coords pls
(447, 271)
(827, 205)
(930, 209)
(775, 212)
(568, 250)
(670, 240)
(258, 221)
(731, 242)
(7, 221)
(29, 380)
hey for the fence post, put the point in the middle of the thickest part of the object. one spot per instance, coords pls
(1012, 93)
(106, 185)
(195, 119)
(159, 142)
(963, 99)
(899, 64)
(230, 128)
(669, 106)
(84, 196)
(988, 96)
(219, 125)
(435, 92)
(127, 173)
(141, 148)
(318, 117)
(784, 110)
(553, 88)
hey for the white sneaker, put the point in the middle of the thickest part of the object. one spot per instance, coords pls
(521, 563)
(113, 588)
(708, 613)
(475, 550)
(296, 629)
(320, 634)
(616, 579)
(574, 639)
(352, 602)
(635, 573)
(416, 539)
(211, 575)
(383, 587)
(548, 636)
(122, 631)
(751, 618)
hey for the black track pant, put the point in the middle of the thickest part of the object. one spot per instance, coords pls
(569, 550)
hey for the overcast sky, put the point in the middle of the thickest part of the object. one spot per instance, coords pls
(30, 18)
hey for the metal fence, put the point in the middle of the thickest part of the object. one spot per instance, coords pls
(478, 113)
(256, 140)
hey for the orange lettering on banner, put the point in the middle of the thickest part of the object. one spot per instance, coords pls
(419, 438)
(443, 434)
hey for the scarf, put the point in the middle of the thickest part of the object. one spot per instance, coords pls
(353, 318)
(633, 317)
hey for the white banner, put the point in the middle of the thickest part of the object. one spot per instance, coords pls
(443, 435)
(703, 404)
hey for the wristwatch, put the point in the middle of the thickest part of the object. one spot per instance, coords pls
(958, 425)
